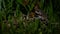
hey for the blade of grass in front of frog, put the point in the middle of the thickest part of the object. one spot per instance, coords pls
(51, 10)
(19, 13)
(30, 8)
(41, 4)
(33, 26)
(19, 1)
(20, 19)
(4, 4)
(0, 5)
(16, 13)
(50, 13)
(10, 20)
(31, 5)
(2, 27)
(10, 31)
(9, 5)
(2, 14)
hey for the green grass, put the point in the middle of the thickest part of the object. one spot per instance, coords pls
(25, 27)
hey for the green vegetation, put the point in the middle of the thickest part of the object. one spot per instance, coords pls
(12, 22)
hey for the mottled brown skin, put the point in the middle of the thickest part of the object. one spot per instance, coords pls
(40, 13)
(37, 11)
(32, 14)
